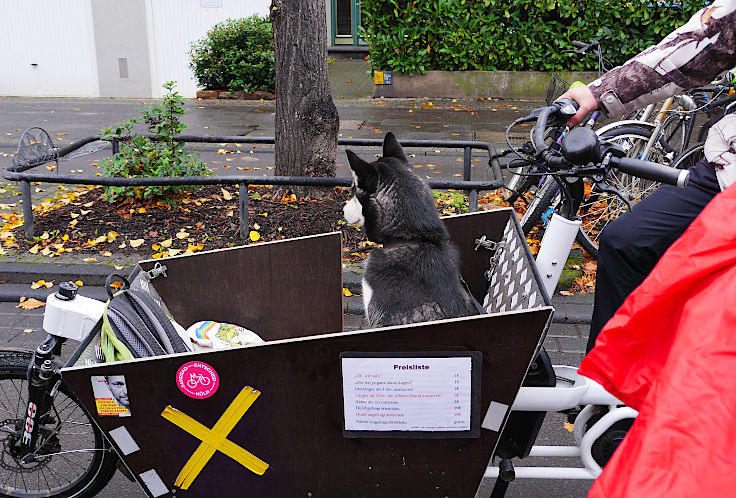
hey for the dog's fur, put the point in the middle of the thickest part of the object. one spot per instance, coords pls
(415, 277)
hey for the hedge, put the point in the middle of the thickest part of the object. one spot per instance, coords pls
(419, 35)
(236, 55)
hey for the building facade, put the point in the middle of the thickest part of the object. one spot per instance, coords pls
(109, 48)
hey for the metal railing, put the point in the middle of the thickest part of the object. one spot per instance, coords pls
(17, 172)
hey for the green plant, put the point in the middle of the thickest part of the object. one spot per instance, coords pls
(451, 201)
(143, 157)
(416, 36)
(236, 55)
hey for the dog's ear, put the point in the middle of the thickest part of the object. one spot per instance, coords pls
(360, 167)
(392, 148)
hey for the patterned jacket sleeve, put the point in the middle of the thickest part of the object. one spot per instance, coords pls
(688, 57)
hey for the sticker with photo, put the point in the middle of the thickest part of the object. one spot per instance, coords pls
(111, 395)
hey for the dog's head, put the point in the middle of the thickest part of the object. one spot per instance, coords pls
(390, 200)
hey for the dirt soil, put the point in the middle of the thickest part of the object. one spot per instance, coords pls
(205, 219)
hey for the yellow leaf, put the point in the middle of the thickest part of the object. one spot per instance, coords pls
(158, 255)
(107, 254)
(65, 237)
(141, 210)
(88, 204)
(254, 236)
(30, 304)
(112, 235)
(568, 426)
(100, 239)
(28, 331)
(166, 243)
(44, 236)
(155, 247)
(174, 252)
(84, 211)
(73, 223)
(136, 243)
(346, 292)
(45, 251)
(226, 195)
(34, 249)
(78, 283)
(89, 260)
(182, 235)
(42, 283)
(256, 226)
(122, 246)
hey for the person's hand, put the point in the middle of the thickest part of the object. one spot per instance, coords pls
(584, 97)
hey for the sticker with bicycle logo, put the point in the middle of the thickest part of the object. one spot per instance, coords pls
(197, 380)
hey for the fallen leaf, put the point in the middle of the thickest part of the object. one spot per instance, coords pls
(346, 292)
(254, 236)
(107, 254)
(182, 235)
(136, 243)
(78, 283)
(226, 195)
(567, 293)
(89, 260)
(41, 283)
(30, 304)
(166, 243)
(568, 426)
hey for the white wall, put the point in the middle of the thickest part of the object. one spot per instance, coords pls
(57, 36)
(174, 24)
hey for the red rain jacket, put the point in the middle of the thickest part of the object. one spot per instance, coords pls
(670, 353)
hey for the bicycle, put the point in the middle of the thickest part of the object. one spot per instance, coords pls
(44, 458)
(603, 421)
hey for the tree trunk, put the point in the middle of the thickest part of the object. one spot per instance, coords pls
(306, 122)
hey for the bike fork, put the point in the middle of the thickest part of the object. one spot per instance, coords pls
(41, 373)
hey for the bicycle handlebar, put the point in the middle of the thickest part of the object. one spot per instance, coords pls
(582, 146)
(652, 171)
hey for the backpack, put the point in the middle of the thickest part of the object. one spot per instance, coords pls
(135, 326)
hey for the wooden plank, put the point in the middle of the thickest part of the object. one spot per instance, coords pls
(283, 289)
(296, 424)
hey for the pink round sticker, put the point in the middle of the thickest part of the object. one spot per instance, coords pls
(197, 380)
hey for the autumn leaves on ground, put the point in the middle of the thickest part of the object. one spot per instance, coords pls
(80, 222)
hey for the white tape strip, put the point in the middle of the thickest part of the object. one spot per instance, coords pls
(494, 416)
(154, 483)
(124, 440)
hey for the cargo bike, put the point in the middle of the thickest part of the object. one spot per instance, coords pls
(426, 409)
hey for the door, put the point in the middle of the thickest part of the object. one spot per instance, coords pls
(346, 19)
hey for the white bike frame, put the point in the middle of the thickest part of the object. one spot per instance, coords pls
(572, 390)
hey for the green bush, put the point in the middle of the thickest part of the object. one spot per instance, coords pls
(451, 35)
(142, 157)
(236, 55)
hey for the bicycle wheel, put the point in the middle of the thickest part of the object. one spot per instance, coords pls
(690, 157)
(600, 208)
(544, 200)
(73, 458)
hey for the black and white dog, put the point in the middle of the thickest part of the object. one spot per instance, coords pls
(415, 277)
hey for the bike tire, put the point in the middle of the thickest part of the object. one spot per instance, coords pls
(543, 200)
(600, 208)
(75, 474)
(690, 156)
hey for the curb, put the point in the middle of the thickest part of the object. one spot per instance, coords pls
(12, 293)
(26, 273)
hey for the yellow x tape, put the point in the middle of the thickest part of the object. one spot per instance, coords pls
(215, 439)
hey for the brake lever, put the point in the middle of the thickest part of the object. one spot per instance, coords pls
(605, 187)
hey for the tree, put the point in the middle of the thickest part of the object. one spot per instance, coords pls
(306, 121)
